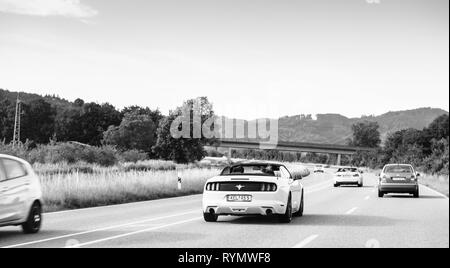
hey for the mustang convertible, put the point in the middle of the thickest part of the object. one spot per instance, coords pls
(255, 188)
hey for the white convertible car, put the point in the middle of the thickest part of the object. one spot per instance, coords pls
(348, 175)
(255, 188)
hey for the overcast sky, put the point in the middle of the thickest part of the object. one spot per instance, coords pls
(252, 58)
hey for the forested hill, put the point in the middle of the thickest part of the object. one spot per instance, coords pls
(326, 128)
(55, 101)
(336, 129)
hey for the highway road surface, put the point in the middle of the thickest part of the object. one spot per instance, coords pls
(334, 217)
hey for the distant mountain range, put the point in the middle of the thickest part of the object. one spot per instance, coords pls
(326, 128)
(336, 129)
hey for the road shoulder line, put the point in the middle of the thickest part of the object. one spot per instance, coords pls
(132, 233)
(434, 191)
(306, 241)
(118, 205)
(97, 230)
(351, 211)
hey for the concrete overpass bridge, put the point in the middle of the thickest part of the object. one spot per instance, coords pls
(299, 147)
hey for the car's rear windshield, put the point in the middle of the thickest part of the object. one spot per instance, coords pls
(347, 170)
(255, 170)
(398, 169)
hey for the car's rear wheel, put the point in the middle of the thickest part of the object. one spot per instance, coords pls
(380, 194)
(210, 217)
(299, 213)
(287, 217)
(360, 184)
(336, 184)
(34, 220)
(416, 194)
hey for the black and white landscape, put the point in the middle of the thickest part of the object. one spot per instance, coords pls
(126, 109)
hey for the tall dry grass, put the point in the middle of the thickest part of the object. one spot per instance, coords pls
(112, 186)
(439, 183)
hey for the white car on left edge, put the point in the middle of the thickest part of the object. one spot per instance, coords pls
(20, 195)
(254, 188)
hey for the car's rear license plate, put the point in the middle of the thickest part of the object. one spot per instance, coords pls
(239, 198)
(398, 179)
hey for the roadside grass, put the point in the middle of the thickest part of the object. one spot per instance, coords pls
(83, 167)
(146, 165)
(436, 182)
(74, 190)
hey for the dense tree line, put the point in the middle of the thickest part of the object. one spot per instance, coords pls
(427, 149)
(133, 128)
(143, 130)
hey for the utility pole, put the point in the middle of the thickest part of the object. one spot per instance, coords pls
(16, 136)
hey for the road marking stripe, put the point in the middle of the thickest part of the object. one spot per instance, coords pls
(351, 211)
(132, 233)
(306, 241)
(123, 205)
(434, 191)
(99, 230)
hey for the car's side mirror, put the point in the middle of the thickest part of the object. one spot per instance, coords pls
(296, 176)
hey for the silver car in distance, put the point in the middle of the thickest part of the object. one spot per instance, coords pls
(398, 178)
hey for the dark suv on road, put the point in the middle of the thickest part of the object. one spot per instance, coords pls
(398, 178)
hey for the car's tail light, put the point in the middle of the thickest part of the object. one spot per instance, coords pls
(213, 186)
(268, 187)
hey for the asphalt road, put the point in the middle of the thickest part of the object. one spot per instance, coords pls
(334, 217)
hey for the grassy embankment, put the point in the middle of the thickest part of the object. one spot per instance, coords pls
(438, 183)
(84, 185)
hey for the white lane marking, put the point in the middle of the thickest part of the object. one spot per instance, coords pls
(367, 197)
(132, 233)
(305, 242)
(351, 211)
(127, 204)
(434, 191)
(100, 229)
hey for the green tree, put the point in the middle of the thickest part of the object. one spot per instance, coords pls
(38, 124)
(7, 110)
(155, 115)
(439, 128)
(136, 131)
(366, 134)
(183, 150)
(86, 124)
(438, 161)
